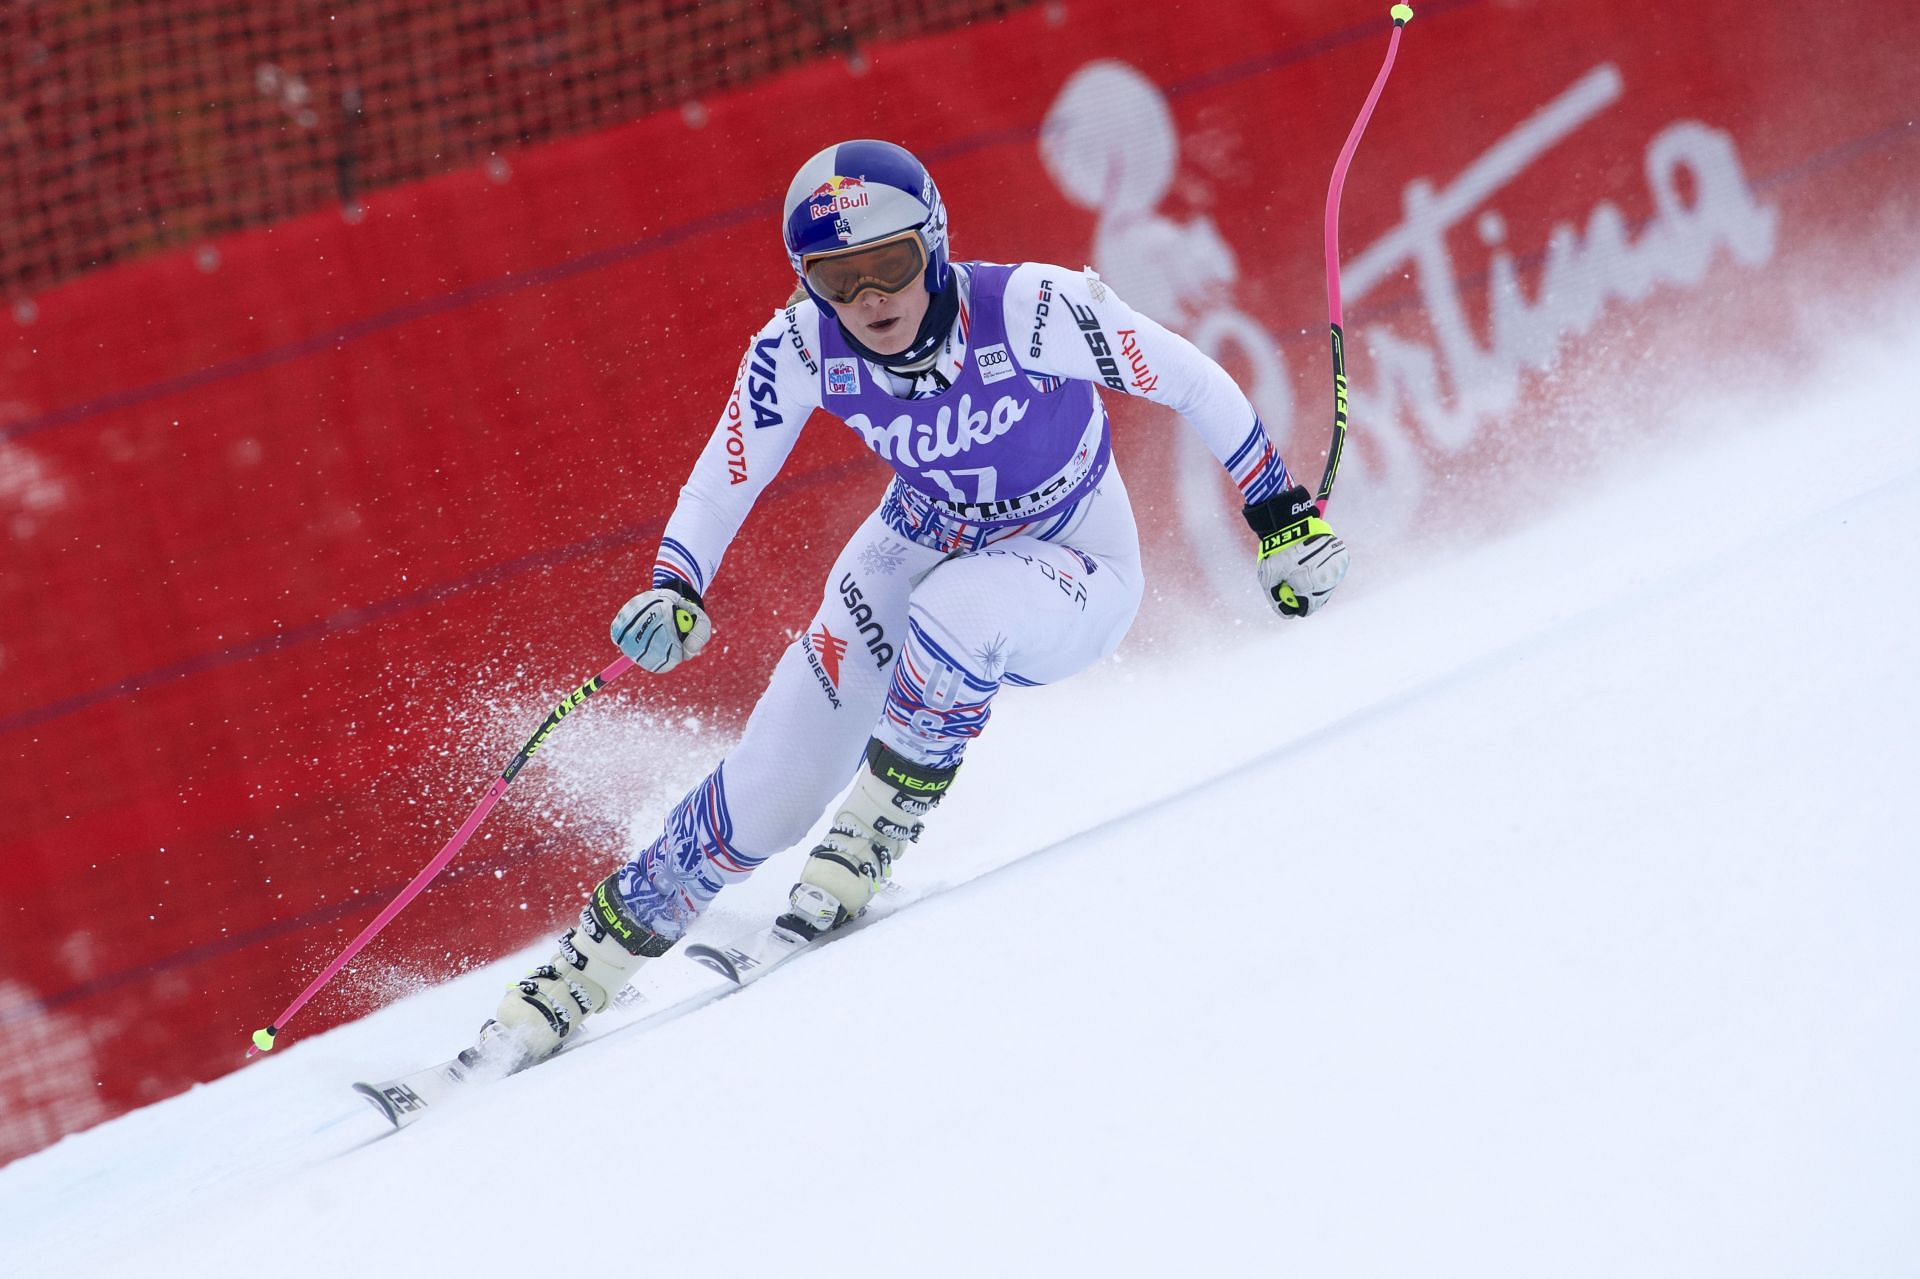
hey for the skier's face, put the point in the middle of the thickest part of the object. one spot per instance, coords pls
(885, 323)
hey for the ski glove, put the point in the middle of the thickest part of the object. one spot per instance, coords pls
(1301, 560)
(662, 627)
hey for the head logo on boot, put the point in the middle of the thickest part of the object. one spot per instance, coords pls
(907, 781)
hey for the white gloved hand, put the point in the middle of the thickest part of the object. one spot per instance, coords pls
(661, 628)
(1301, 560)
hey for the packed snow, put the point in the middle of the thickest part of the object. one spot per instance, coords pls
(1547, 912)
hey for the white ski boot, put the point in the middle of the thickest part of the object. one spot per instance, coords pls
(596, 960)
(854, 860)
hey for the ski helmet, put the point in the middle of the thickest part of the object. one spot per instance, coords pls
(859, 193)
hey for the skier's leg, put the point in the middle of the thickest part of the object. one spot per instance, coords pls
(803, 738)
(1026, 610)
(1032, 609)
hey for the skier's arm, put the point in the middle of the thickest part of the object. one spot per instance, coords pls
(773, 393)
(1086, 332)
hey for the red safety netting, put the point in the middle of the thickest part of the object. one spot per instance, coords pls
(133, 126)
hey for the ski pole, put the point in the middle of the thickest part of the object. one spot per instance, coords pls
(1402, 15)
(264, 1037)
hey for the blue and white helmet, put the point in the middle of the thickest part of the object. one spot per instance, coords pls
(854, 193)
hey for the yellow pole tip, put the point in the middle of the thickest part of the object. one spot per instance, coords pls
(263, 1039)
(1401, 13)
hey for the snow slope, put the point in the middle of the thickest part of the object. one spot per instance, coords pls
(1549, 914)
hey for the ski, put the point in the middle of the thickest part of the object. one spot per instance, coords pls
(751, 957)
(747, 959)
(406, 1099)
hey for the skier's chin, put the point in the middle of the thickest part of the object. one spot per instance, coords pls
(887, 337)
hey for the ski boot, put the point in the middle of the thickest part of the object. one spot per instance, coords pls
(595, 961)
(854, 859)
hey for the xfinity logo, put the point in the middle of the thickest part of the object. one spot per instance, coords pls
(1144, 378)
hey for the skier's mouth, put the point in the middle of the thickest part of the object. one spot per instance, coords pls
(883, 326)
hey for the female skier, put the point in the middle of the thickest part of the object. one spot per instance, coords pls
(1002, 552)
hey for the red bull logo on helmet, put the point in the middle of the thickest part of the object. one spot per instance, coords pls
(835, 196)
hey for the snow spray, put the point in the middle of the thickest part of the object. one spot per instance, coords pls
(264, 1037)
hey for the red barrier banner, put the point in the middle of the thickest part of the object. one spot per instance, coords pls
(306, 528)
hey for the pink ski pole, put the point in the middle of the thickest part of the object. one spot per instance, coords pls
(1402, 15)
(264, 1037)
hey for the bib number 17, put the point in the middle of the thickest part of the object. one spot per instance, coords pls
(985, 481)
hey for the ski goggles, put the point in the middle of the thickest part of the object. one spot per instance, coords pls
(885, 266)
